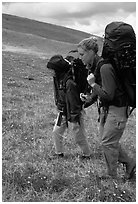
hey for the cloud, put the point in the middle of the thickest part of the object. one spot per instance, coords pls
(88, 9)
(86, 16)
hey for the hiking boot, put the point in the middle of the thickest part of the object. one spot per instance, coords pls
(61, 155)
(57, 156)
(130, 170)
(106, 177)
(84, 157)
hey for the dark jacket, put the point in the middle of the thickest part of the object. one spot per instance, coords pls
(67, 98)
(110, 91)
(73, 101)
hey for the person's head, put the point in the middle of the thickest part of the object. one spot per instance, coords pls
(87, 50)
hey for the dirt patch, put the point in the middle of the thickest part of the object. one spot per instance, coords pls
(9, 48)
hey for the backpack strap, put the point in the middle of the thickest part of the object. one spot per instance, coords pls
(55, 86)
(68, 75)
(97, 74)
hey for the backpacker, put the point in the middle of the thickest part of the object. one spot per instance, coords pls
(120, 47)
(65, 70)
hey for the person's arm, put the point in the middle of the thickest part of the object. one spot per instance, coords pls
(92, 98)
(74, 105)
(108, 88)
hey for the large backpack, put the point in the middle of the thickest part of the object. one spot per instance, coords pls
(120, 46)
(80, 74)
(66, 70)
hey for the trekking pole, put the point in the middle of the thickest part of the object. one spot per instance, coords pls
(59, 119)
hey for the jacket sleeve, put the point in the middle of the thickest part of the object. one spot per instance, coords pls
(108, 88)
(73, 101)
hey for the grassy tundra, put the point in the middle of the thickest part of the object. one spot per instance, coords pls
(29, 171)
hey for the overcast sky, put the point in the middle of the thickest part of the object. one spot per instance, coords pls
(91, 17)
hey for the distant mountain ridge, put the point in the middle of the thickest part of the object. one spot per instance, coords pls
(46, 30)
(42, 29)
(28, 35)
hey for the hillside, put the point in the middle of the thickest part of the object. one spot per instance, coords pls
(33, 44)
(41, 29)
(22, 34)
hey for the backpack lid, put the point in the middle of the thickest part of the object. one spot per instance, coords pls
(58, 63)
(119, 29)
(117, 33)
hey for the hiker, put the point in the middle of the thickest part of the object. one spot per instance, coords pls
(69, 106)
(92, 60)
(114, 99)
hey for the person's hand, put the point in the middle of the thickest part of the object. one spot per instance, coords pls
(83, 97)
(91, 79)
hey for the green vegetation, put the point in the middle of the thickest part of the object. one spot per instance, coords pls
(32, 44)
(30, 172)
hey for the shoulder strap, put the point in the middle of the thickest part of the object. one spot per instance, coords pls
(68, 75)
(97, 70)
(102, 62)
(55, 86)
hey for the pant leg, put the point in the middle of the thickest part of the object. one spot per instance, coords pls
(113, 130)
(101, 125)
(58, 132)
(80, 136)
(123, 156)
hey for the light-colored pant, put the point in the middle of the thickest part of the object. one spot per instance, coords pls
(111, 133)
(102, 121)
(79, 134)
